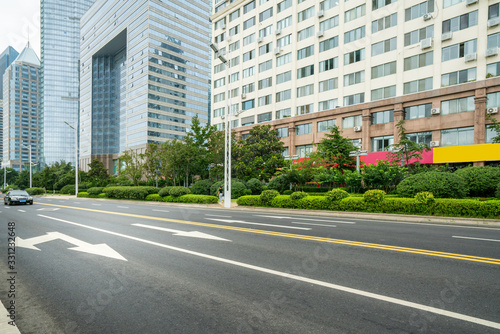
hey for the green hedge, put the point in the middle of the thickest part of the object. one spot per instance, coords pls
(68, 189)
(124, 192)
(154, 198)
(197, 199)
(37, 191)
(95, 190)
(82, 194)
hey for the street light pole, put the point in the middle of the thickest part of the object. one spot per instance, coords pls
(29, 148)
(291, 157)
(357, 154)
(76, 155)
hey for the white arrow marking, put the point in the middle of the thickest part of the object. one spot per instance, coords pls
(82, 246)
(229, 221)
(193, 234)
(316, 220)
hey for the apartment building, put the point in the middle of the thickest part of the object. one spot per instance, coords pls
(304, 66)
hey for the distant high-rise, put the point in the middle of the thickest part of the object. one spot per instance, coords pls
(21, 120)
(1, 127)
(6, 58)
(145, 72)
(60, 52)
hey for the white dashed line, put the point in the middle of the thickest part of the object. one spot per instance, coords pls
(481, 239)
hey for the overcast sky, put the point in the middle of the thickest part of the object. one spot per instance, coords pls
(17, 19)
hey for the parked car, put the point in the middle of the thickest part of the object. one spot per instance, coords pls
(17, 197)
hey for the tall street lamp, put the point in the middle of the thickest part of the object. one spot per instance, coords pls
(357, 154)
(291, 158)
(76, 155)
(29, 148)
(5, 174)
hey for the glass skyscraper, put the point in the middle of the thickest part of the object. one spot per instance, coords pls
(60, 52)
(145, 72)
(6, 58)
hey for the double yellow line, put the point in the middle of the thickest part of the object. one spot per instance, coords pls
(301, 237)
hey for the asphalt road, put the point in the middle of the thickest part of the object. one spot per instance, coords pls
(171, 269)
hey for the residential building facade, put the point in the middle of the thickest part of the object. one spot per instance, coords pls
(304, 66)
(145, 73)
(60, 53)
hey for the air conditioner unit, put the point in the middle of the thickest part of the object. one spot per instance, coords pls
(319, 33)
(470, 2)
(434, 143)
(427, 16)
(426, 43)
(321, 13)
(470, 57)
(243, 96)
(446, 36)
(260, 39)
(278, 31)
(491, 52)
(357, 129)
(435, 111)
(493, 22)
(222, 117)
(493, 110)
(277, 51)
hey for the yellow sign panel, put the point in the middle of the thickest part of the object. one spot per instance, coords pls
(466, 153)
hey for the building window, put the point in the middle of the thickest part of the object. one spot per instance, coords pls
(303, 151)
(246, 105)
(494, 11)
(382, 117)
(459, 77)
(328, 64)
(248, 88)
(354, 99)
(305, 109)
(266, 14)
(459, 50)
(383, 93)
(328, 4)
(417, 86)
(305, 33)
(283, 95)
(415, 36)
(219, 112)
(219, 97)
(305, 71)
(282, 132)
(384, 70)
(457, 105)
(248, 72)
(283, 5)
(305, 90)
(287, 112)
(490, 134)
(460, 22)
(234, 46)
(282, 60)
(264, 83)
(266, 117)
(417, 61)
(329, 23)
(384, 23)
(328, 84)
(303, 129)
(249, 55)
(354, 13)
(351, 121)
(265, 49)
(329, 44)
(354, 78)
(420, 137)
(266, 31)
(234, 15)
(219, 82)
(493, 41)
(220, 38)
(354, 35)
(248, 7)
(493, 70)
(384, 46)
(381, 144)
(234, 124)
(281, 24)
(458, 136)
(234, 77)
(249, 23)
(305, 52)
(267, 65)
(493, 100)
(305, 14)
(234, 30)
(419, 111)
(448, 3)
(376, 4)
(265, 100)
(283, 77)
(326, 125)
(235, 61)
(248, 39)
(419, 10)
(327, 105)
(354, 56)
(220, 24)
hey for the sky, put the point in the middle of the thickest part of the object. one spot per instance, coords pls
(18, 18)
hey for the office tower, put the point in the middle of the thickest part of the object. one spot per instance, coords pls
(304, 66)
(21, 106)
(60, 52)
(6, 58)
(1, 128)
(145, 72)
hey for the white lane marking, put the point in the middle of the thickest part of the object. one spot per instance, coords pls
(20, 210)
(48, 209)
(206, 214)
(192, 234)
(332, 286)
(316, 220)
(424, 224)
(229, 221)
(76, 202)
(314, 224)
(482, 239)
(122, 207)
(96, 204)
(160, 210)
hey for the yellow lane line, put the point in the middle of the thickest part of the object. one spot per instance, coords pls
(300, 236)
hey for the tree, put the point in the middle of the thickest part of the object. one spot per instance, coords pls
(495, 126)
(259, 155)
(10, 175)
(133, 165)
(406, 149)
(334, 149)
(98, 174)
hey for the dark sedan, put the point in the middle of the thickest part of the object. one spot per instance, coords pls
(17, 197)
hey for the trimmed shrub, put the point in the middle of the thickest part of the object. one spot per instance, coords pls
(164, 191)
(374, 196)
(440, 184)
(37, 191)
(154, 198)
(247, 192)
(425, 197)
(151, 189)
(279, 183)
(481, 181)
(255, 186)
(309, 189)
(178, 191)
(68, 189)
(126, 192)
(337, 195)
(82, 194)
(288, 192)
(95, 190)
(268, 195)
(497, 193)
(298, 195)
(197, 199)
(202, 187)
(251, 200)
(237, 189)
(102, 195)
